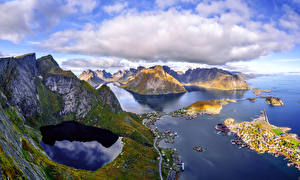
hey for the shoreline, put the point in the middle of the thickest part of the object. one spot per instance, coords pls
(165, 154)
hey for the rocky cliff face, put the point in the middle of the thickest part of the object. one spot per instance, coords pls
(17, 79)
(76, 97)
(12, 131)
(154, 82)
(109, 98)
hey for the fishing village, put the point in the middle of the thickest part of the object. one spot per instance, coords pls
(259, 135)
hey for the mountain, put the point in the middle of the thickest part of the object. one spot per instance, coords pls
(91, 77)
(99, 77)
(37, 92)
(210, 78)
(153, 82)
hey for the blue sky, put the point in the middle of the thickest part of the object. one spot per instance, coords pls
(255, 36)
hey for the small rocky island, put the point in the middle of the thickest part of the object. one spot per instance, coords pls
(274, 101)
(263, 137)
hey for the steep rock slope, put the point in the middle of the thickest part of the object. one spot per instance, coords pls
(154, 82)
(110, 99)
(17, 79)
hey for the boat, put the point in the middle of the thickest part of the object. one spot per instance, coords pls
(198, 149)
(222, 128)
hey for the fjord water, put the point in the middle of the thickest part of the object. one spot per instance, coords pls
(222, 160)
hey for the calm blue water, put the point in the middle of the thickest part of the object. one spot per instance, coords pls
(223, 160)
(83, 155)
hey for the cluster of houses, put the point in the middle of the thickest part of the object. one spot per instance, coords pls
(184, 113)
(171, 163)
(261, 138)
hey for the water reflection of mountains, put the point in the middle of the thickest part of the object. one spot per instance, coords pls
(237, 94)
(159, 102)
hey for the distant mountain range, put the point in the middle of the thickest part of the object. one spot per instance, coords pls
(163, 80)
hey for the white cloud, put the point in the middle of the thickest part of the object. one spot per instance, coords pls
(167, 3)
(115, 8)
(290, 20)
(209, 8)
(177, 35)
(19, 18)
(94, 63)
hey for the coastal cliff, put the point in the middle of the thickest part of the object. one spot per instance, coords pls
(154, 82)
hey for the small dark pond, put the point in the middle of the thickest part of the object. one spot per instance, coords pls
(80, 146)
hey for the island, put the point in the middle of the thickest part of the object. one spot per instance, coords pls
(211, 107)
(274, 101)
(258, 92)
(263, 137)
(252, 99)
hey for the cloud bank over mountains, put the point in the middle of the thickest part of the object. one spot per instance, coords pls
(207, 32)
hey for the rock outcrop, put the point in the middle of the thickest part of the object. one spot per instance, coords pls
(154, 82)
(274, 101)
(77, 98)
(17, 79)
(109, 98)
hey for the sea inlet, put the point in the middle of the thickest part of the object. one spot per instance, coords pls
(222, 160)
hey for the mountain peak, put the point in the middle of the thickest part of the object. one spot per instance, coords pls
(159, 68)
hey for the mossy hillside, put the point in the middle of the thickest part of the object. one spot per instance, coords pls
(50, 103)
(125, 124)
(47, 66)
(136, 160)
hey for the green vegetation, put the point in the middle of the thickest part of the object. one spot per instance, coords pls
(277, 131)
(294, 141)
(48, 66)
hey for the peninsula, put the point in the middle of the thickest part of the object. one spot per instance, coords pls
(263, 137)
